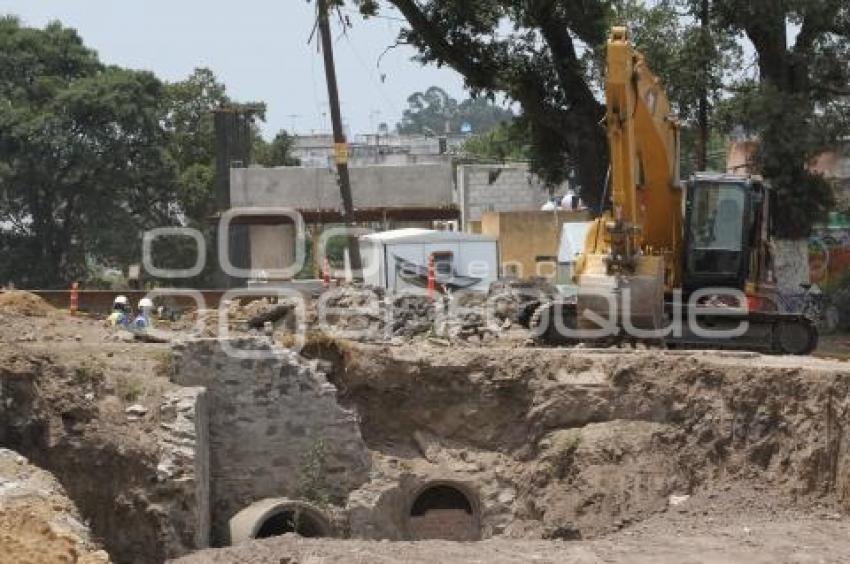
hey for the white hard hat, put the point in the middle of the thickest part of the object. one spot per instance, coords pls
(121, 300)
(145, 302)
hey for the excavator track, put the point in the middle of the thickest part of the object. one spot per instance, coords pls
(769, 333)
(542, 323)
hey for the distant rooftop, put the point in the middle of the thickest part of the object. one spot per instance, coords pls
(417, 235)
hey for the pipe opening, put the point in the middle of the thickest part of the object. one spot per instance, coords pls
(291, 521)
(443, 512)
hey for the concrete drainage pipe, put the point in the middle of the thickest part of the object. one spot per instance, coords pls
(279, 516)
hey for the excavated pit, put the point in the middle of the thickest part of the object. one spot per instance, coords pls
(574, 444)
(428, 442)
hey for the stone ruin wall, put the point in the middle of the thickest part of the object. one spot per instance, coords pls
(265, 416)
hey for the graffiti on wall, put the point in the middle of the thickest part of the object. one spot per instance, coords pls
(829, 254)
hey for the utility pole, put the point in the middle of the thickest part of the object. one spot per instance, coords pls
(702, 150)
(340, 143)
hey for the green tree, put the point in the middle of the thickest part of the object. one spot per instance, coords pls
(278, 152)
(507, 142)
(530, 53)
(189, 104)
(693, 62)
(434, 112)
(798, 104)
(83, 165)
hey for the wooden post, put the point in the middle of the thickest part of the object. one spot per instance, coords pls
(340, 143)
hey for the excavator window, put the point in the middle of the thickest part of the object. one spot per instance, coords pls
(717, 220)
(718, 229)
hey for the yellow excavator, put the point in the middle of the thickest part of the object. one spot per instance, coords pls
(680, 265)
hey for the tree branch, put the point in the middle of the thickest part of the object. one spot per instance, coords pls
(556, 34)
(816, 22)
(477, 73)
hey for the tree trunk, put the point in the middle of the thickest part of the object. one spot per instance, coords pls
(702, 153)
(591, 163)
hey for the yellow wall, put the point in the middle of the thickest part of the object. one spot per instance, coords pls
(525, 236)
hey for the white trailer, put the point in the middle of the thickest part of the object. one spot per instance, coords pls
(398, 260)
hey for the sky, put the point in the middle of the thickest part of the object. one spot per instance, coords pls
(259, 50)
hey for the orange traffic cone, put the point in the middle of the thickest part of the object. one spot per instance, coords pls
(75, 298)
(432, 278)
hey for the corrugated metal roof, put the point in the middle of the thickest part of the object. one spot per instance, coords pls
(417, 235)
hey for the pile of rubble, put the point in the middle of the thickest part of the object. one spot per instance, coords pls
(360, 313)
(369, 314)
(412, 315)
(243, 316)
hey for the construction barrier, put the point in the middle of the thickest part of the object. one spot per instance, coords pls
(432, 278)
(74, 298)
(326, 273)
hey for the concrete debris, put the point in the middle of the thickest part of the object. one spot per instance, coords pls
(266, 313)
(136, 410)
(358, 313)
(366, 314)
(676, 500)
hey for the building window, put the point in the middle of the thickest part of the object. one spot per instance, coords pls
(443, 263)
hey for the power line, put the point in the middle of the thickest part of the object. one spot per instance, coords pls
(375, 81)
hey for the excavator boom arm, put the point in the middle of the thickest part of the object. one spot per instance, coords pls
(643, 137)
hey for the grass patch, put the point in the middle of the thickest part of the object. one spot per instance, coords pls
(129, 388)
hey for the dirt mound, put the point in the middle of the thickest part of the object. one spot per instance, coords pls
(38, 523)
(24, 303)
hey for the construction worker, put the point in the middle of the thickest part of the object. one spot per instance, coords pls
(143, 319)
(120, 316)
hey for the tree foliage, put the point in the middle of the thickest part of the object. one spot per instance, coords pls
(92, 155)
(277, 152)
(83, 165)
(528, 52)
(548, 56)
(797, 106)
(693, 62)
(507, 142)
(189, 122)
(434, 112)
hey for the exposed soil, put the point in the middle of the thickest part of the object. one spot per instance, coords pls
(742, 523)
(38, 523)
(834, 345)
(18, 302)
(67, 383)
(566, 444)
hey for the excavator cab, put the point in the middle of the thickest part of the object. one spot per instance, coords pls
(722, 230)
